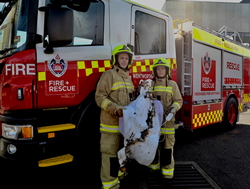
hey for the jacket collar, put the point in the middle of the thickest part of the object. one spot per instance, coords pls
(161, 80)
(121, 72)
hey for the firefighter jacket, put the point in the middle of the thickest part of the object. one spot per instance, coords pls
(114, 89)
(168, 93)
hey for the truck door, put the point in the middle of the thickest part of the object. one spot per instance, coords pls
(69, 73)
(150, 38)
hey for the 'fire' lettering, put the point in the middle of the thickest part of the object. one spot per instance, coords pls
(20, 69)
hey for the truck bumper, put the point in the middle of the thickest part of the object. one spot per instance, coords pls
(50, 139)
(25, 149)
(34, 151)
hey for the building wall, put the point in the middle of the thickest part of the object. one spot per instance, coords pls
(213, 15)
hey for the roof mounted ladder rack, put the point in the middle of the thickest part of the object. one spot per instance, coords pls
(226, 30)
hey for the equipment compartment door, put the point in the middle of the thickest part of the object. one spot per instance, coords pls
(232, 70)
(246, 85)
(206, 73)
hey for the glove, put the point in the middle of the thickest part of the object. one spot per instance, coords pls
(169, 117)
(118, 111)
(172, 110)
(170, 114)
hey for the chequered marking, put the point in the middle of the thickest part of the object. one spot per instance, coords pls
(147, 65)
(86, 68)
(206, 118)
(240, 107)
(246, 97)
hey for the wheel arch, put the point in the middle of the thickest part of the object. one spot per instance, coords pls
(87, 137)
(82, 109)
(232, 95)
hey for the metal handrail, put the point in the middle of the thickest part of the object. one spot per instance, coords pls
(181, 22)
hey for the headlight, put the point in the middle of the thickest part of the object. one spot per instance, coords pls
(20, 132)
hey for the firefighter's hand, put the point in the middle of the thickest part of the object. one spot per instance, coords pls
(119, 111)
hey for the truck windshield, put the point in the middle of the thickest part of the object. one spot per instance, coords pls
(13, 31)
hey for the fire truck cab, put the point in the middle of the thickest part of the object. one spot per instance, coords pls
(53, 53)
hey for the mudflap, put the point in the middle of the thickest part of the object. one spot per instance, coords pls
(136, 177)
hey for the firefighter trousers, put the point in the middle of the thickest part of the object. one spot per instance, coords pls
(164, 158)
(110, 145)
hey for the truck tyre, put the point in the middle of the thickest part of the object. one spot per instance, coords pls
(230, 114)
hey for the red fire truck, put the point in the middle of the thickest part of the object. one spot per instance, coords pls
(213, 75)
(53, 53)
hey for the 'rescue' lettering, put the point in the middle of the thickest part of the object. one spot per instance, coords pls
(233, 66)
(59, 86)
(207, 83)
(20, 69)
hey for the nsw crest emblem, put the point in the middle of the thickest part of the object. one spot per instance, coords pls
(206, 64)
(57, 66)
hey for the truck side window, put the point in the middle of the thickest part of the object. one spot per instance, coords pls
(89, 25)
(150, 34)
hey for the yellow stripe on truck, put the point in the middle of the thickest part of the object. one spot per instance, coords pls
(41, 76)
(211, 39)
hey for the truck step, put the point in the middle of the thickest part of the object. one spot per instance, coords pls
(56, 160)
(53, 128)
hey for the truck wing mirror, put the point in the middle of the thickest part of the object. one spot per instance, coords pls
(58, 30)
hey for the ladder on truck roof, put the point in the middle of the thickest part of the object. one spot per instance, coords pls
(231, 34)
(225, 33)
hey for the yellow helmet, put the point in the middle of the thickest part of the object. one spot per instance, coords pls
(161, 62)
(122, 49)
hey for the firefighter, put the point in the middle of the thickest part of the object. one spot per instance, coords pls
(114, 91)
(167, 91)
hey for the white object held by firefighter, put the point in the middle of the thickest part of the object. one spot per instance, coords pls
(140, 127)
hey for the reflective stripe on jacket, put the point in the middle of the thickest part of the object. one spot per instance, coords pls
(168, 93)
(114, 88)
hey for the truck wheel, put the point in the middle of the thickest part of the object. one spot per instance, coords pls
(230, 114)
